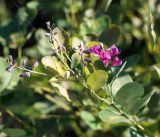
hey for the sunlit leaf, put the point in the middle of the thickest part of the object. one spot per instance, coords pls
(53, 63)
(61, 38)
(7, 79)
(97, 79)
(63, 91)
(157, 70)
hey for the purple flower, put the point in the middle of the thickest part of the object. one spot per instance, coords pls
(96, 50)
(114, 50)
(105, 62)
(116, 62)
(105, 57)
(108, 56)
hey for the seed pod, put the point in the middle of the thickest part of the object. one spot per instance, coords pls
(25, 74)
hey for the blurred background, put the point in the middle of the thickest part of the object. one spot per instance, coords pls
(30, 107)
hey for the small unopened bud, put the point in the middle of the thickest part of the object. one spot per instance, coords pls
(47, 34)
(23, 63)
(67, 75)
(48, 23)
(10, 68)
(87, 51)
(25, 74)
(35, 64)
(10, 59)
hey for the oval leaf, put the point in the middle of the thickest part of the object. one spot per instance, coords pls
(111, 117)
(110, 36)
(61, 38)
(129, 94)
(63, 91)
(53, 63)
(119, 82)
(97, 79)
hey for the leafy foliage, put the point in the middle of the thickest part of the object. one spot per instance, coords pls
(71, 92)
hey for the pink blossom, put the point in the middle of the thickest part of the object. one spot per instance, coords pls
(105, 55)
(96, 50)
(114, 50)
(116, 62)
(105, 62)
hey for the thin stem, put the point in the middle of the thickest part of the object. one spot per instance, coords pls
(67, 57)
(59, 103)
(121, 69)
(19, 54)
(31, 71)
(16, 118)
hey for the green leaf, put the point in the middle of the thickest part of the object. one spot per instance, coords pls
(111, 117)
(132, 60)
(90, 120)
(111, 35)
(75, 60)
(129, 94)
(135, 133)
(43, 45)
(157, 69)
(151, 32)
(92, 43)
(94, 25)
(63, 91)
(144, 100)
(61, 38)
(7, 79)
(97, 79)
(53, 63)
(119, 82)
(14, 132)
(75, 42)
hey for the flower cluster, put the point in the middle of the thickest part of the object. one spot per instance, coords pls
(107, 56)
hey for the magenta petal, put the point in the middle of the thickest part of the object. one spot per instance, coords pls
(116, 62)
(105, 55)
(96, 49)
(105, 62)
(114, 50)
